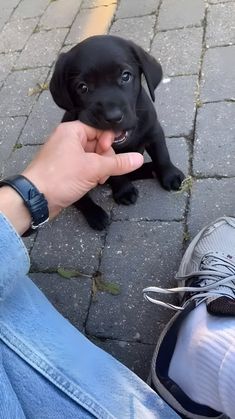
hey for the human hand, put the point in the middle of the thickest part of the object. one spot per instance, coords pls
(74, 160)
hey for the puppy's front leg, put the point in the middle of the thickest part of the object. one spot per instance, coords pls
(169, 175)
(96, 217)
(123, 191)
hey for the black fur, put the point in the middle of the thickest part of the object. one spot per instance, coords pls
(111, 69)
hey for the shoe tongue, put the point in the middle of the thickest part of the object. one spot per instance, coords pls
(220, 262)
(220, 306)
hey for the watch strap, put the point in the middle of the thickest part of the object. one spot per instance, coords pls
(34, 200)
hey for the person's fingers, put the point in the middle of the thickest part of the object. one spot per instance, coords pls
(105, 142)
(118, 164)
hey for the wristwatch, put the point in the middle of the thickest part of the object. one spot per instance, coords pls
(34, 200)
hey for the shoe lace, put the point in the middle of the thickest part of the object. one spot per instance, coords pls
(215, 278)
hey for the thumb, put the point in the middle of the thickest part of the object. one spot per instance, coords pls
(119, 164)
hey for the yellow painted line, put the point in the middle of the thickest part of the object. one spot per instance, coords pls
(99, 18)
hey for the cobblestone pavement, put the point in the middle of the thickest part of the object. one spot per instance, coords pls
(195, 42)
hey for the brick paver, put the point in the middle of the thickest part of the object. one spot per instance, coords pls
(211, 198)
(28, 8)
(10, 130)
(68, 236)
(175, 104)
(42, 49)
(132, 8)
(194, 41)
(137, 29)
(131, 270)
(180, 13)
(15, 97)
(221, 24)
(23, 28)
(44, 117)
(60, 14)
(214, 153)
(218, 81)
(175, 60)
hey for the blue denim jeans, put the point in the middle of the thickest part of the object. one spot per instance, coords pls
(48, 369)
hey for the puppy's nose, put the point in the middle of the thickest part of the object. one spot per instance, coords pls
(113, 115)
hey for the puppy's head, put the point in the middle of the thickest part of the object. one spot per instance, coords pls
(100, 78)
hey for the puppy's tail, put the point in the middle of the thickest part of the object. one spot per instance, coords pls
(144, 172)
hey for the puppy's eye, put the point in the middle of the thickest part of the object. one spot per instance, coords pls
(83, 88)
(126, 77)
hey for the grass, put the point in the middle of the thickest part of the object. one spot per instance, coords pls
(40, 87)
(186, 185)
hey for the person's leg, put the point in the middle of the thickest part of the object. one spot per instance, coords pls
(49, 362)
(193, 367)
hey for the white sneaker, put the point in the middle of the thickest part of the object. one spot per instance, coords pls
(206, 274)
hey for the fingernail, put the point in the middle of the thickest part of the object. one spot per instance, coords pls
(136, 160)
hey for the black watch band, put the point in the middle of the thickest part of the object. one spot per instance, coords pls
(33, 199)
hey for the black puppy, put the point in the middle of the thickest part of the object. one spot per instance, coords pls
(99, 82)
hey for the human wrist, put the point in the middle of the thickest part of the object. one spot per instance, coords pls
(13, 207)
(46, 187)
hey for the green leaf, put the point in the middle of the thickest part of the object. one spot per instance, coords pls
(100, 285)
(68, 273)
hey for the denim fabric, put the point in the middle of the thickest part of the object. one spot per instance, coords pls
(47, 368)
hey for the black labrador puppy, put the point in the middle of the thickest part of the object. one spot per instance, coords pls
(99, 82)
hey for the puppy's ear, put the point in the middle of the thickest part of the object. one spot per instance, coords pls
(150, 67)
(59, 84)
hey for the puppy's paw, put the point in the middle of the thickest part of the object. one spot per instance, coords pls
(127, 195)
(98, 219)
(172, 178)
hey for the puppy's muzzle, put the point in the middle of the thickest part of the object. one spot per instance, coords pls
(113, 116)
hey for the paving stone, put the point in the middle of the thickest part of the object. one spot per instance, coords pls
(175, 59)
(137, 29)
(14, 96)
(86, 4)
(16, 33)
(19, 159)
(91, 22)
(29, 241)
(214, 152)
(71, 297)
(10, 130)
(42, 49)
(67, 242)
(219, 1)
(220, 29)
(6, 63)
(136, 356)
(59, 14)
(154, 203)
(7, 8)
(211, 198)
(175, 104)
(29, 8)
(136, 255)
(4, 17)
(9, 4)
(133, 8)
(179, 13)
(218, 81)
(44, 117)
